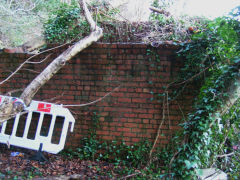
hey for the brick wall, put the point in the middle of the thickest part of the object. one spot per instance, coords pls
(132, 112)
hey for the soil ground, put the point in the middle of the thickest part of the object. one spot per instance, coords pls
(56, 167)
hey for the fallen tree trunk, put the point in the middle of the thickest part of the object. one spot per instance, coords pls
(9, 108)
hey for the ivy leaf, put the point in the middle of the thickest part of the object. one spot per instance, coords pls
(190, 164)
(237, 60)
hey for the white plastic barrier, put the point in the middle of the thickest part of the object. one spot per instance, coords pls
(43, 108)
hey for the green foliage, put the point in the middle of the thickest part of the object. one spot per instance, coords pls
(22, 20)
(17, 22)
(65, 24)
(118, 153)
(228, 134)
(211, 55)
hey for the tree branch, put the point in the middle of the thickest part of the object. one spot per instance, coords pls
(60, 61)
(92, 102)
(53, 67)
(160, 11)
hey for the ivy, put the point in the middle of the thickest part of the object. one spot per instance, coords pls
(65, 24)
(211, 55)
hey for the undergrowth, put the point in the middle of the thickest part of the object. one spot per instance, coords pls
(118, 153)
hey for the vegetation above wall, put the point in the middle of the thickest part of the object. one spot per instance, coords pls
(67, 24)
(59, 22)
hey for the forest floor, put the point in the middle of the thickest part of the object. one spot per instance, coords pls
(19, 166)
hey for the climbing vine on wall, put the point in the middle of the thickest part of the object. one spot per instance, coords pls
(212, 59)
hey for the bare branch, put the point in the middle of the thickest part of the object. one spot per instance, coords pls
(159, 128)
(93, 102)
(225, 155)
(27, 61)
(160, 11)
(13, 91)
(88, 15)
(39, 62)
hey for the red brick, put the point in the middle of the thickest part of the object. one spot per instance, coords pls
(123, 120)
(103, 132)
(140, 110)
(129, 134)
(104, 113)
(144, 135)
(136, 95)
(130, 115)
(139, 90)
(124, 45)
(150, 116)
(136, 130)
(124, 100)
(68, 77)
(145, 121)
(164, 141)
(137, 100)
(101, 119)
(145, 95)
(130, 125)
(87, 88)
(127, 139)
(112, 129)
(124, 109)
(109, 109)
(117, 124)
(107, 137)
(135, 140)
(117, 94)
(69, 97)
(134, 120)
(117, 134)
(114, 51)
(175, 127)
(122, 129)
(154, 111)
(103, 56)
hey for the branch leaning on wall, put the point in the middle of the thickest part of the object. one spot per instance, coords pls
(6, 109)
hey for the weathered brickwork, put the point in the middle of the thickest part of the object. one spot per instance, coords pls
(131, 112)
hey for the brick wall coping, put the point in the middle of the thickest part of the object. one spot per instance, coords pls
(165, 45)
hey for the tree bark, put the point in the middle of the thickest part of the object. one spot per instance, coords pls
(6, 109)
(56, 65)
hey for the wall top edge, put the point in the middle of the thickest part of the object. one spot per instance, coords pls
(165, 45)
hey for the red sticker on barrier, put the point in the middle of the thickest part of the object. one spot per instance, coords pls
(43, 107)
